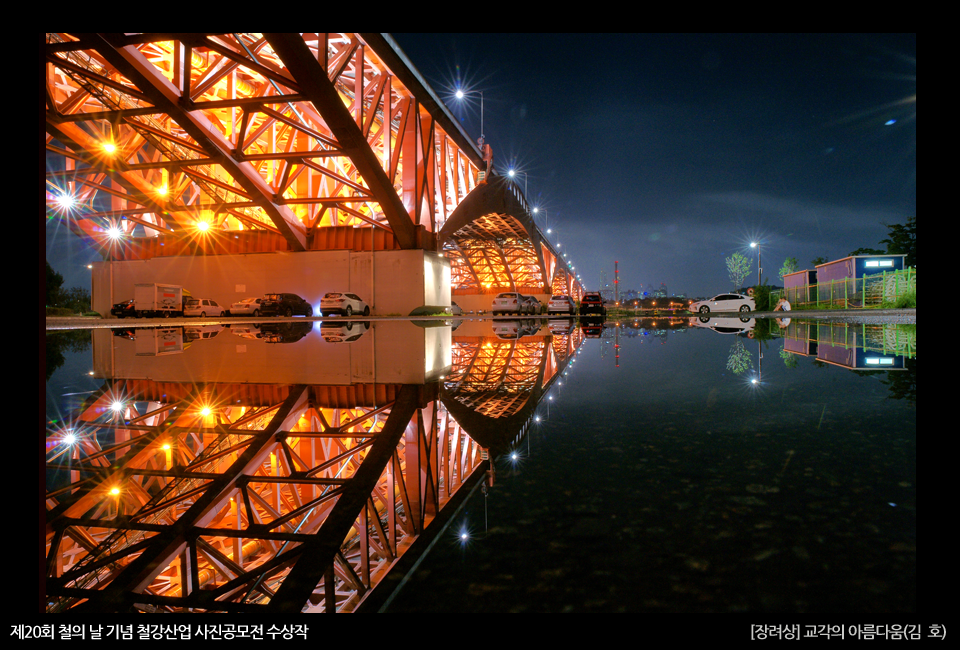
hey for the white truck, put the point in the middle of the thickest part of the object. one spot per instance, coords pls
(153, 300)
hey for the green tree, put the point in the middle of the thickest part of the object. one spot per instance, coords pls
(76, 299)
(820, 260)
(902, 240)
(790, 265)
(738, 267)
(53, 284)
(739, 360)
(866, 251)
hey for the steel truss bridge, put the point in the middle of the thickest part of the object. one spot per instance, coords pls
(257, 497)
(228, 143)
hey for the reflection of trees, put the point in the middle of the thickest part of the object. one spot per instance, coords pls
(740, 360)
(903, 383)
(57, 343)
(789, 360)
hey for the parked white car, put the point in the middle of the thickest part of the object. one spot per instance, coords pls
(724, 302)
(246, 307)
(202, 307)
(343, 304)
(561, 305)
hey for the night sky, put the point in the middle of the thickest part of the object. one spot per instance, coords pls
(668, 153)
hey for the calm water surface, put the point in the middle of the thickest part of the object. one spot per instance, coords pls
(689, 467)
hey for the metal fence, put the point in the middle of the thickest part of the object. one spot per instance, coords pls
(868, 291)
(886, 338)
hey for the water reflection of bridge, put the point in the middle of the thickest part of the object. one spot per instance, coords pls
(181, 488)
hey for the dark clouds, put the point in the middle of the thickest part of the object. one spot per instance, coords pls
(670, 152)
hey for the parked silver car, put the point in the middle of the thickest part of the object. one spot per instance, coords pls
(202, 307)
(246, 307)
(561, 305)
(514, 303)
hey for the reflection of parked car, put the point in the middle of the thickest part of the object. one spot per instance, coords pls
(561, 305)
(202, 307)
(593, 330)
(246, 307)
(725, 325)
(340, 332)
(512, 329)
(201, 332)
(561, 326)
(284, 332)
(124, 309)
(343, 304)
(724, 302)
(592, 305)
(284, 304)
(454, 309)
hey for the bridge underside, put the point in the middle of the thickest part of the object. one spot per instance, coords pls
(494, 245)
(206, 143)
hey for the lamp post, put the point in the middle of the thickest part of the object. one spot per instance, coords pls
(460, 95)
(756, 245)
(513, 172)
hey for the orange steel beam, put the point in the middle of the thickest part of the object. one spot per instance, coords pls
(214, 512)
(218, 128)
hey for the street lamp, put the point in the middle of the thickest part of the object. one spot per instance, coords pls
(460, 95)
(512, 172)
(546, 218)
(756, 245)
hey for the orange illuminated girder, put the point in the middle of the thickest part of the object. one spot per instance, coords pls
(214, 511)
(260, 132)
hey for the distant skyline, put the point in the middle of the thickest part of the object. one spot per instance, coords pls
(669, 153)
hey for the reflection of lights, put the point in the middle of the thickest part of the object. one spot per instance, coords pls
(115, 233)
(205, 411)
(69, 438)
(114, 491)
(117, 407)
(203, 226)
(109, 147)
